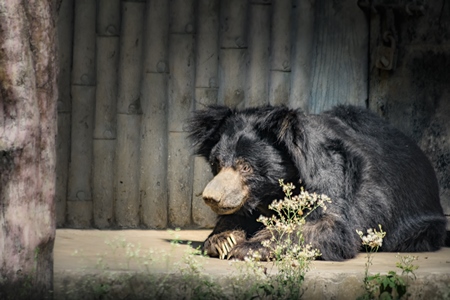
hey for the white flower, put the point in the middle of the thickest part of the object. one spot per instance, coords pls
(373, 238)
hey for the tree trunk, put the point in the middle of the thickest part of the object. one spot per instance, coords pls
(28, 97)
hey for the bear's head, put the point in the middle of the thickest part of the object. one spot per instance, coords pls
(249, 151)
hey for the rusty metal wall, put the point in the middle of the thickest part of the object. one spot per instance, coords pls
(132, 71)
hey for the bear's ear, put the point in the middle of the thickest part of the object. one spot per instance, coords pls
(204, 128)
(286, 125)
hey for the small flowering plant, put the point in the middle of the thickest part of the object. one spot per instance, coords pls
(405, 264)
(290, 253)
(391, 285)
(287, 222)
(372, 241)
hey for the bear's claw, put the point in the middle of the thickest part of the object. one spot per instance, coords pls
(222, 244)
(226, 247)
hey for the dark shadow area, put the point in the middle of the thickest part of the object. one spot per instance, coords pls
(193, 244)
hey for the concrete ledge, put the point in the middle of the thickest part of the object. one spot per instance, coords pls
(126, 259)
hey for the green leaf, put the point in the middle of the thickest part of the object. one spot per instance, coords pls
(386, 281)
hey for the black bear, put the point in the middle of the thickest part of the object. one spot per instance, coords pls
(372, 172)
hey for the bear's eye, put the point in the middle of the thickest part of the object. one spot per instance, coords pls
(245, 167)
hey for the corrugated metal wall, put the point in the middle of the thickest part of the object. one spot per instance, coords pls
(132, 72)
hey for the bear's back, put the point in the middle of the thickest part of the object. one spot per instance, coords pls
(394, 155)
(396, 165)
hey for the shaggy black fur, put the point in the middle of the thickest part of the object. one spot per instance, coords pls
(373, 173)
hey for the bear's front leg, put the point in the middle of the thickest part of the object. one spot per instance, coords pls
(231, 231)
(333, 236)
(254, 248)
(330, 234)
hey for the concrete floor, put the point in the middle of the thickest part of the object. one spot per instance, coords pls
(81, 252)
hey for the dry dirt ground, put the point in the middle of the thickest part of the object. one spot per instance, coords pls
(81, 252)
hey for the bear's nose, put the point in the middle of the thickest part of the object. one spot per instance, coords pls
(225, 193)
(223, 186)
(213, 192)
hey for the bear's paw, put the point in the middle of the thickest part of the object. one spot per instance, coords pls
(252, 250)
(221, 244)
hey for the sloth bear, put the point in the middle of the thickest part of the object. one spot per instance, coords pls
(372, 172)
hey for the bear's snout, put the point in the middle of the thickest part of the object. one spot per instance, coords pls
(225, 193)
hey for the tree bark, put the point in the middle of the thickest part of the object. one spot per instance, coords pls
(28, 97)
